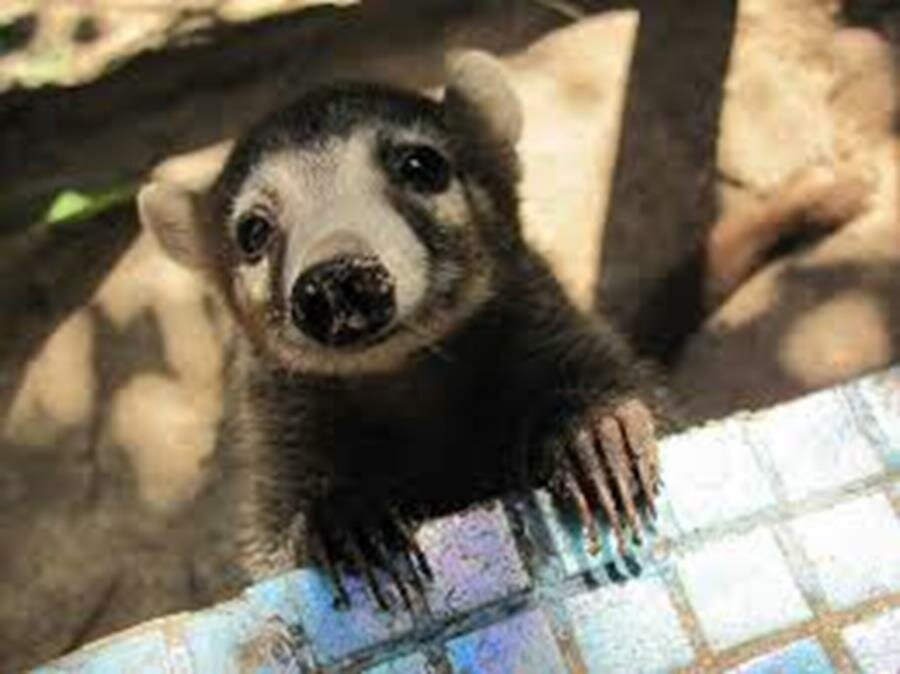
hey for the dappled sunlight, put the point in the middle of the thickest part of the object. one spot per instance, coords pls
(146, 279)
(841, 337)
(143, 278)
(58, 392)
(166, 424)
(776, 117)
(802, 323)
(111, 384)
(75, 42)
(572, 84)
(801, 93)
(164, 427)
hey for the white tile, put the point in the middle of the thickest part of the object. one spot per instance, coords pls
(854, 548)
(815, 444)
(881, 394)
(712, 476)
(741, 588)
(630, 628)
(875, 645)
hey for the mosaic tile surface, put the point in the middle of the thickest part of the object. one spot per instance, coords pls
(777, 550)
(741, 588)
(655, 642)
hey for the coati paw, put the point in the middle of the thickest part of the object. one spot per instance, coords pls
(608, 461)
(372, 542)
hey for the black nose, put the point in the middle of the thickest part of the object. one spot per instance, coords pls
(343, 300)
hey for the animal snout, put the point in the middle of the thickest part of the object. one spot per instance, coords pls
(343, 300)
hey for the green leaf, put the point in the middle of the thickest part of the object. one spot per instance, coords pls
(76, 204)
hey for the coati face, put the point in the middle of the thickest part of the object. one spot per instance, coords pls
(360, 225)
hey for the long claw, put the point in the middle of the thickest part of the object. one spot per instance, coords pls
(326, 545)
(591, 470)
(409, 542)
(573, 493)
(617, 464)
(398, 542)
(637, 428)
(384, 559)
(360, 561)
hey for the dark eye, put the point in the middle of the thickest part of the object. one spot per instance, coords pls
(422, 168)
(253, 235)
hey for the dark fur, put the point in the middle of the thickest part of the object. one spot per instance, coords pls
(466, 419)
(496, 403)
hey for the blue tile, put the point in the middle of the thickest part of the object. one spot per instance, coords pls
(814, 444)
(141, 651)
(631, 627)
(475, 562)
(523, 644)
(803, 657)
(873, 644)
(335, 633)
(212, 637)
(741, 588)
(224, 638)
(411, 664)
(474, 559)
(729, 485)
(854, 548)
(880, 397)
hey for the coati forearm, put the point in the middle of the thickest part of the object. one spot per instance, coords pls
(274, 482)
(584, 353)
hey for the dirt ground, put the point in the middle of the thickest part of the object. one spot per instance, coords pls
(637, 114)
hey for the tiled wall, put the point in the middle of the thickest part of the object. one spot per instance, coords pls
(778, 550)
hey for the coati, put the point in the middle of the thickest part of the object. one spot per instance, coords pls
(401, 351)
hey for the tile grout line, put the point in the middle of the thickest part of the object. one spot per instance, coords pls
(763, 458)
(540, 555)
(866, 423)
(564, 635)
(550, 585)
(780, 512)
(804, 574)
(546, 594)
(840, 619)
(704, 656)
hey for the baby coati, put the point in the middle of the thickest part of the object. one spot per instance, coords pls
(402, 352)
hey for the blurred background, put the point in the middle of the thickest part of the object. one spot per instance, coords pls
(640, 117)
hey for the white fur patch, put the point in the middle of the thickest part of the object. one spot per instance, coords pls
(332, 193)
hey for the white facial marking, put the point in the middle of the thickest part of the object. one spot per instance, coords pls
(338, 191)
(331, 200)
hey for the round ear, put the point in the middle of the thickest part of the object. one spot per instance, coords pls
(175, 216)
(478, 84)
